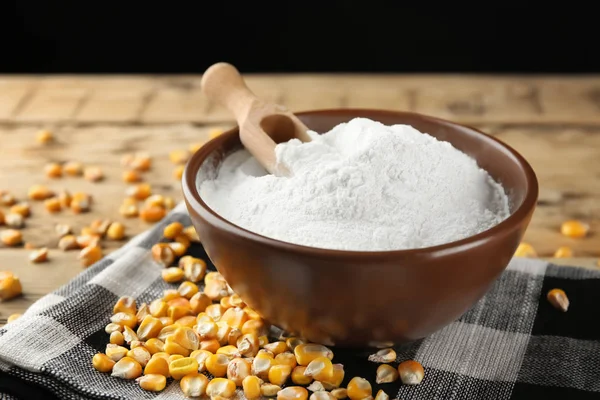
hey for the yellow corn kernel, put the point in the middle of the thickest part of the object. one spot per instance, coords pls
(211, 345)
(169, 203)
(383, 356)
(52, 205)
(212, 276)
(161, 354)
(110, 328)
(216, 364)
(142, 312)
(129, 335)
(286, 358)
(234, 336)
(248, 345)
(207, 330)
(182, 367)
(173, 230)
(163, 254)
(275, 347)
(141, 162)
(124, 319)
(102, 362)
(563, 252)
(307, 352)
(115, 352)
(194, 270)
(11, 237)
(238, 369)
(140, 354)
(279, 373)
(140, 191)
(321, 395)
(574, 229)
(172, 347)
(176, 300)
(215, 289)
(116, 231)
(220, 387)
(127, 368)
(263, 340)
(411, 372)
(39, 255)
(230, 351)
(167, 331)
(65, 198)
(193, 385)
(199, 302)
(225, 302)
(166, 321)
(125, 304)
(191, 233)
(149, 328)
(525, 250)
(10, 285)
(13, 220)
(187, 289)
(157, 365)
(187, 338)
(44, 136)
(223, 331)
(251, 385)
(172, 274)
(178, 172)
(179, 156)
(73, 168)
(269, 390)
(7, 199)
(381, 395)
(131, 176)
(13, 317)
(298, 376)
(386, 374)
(116, 337)
(90, 255)
(293, 393)
(293, 342)
(152, 382)
(359, 388)
(201, 356)
(320, 369)
(340, 393)
(80, 205)
(129, 210)
(93, 174)
(188, 321)
(68, 242)
(234, 317)
(215, 311)
(336, 379)
(236, 301)
(53, 170)
(262, 363)
(174, 357)
(155, 345)
(156, 200)
(178, 248)
(183, 239)
(152, 214)
(37, 193)
(136, 343)
(158, 308)
(176, 312)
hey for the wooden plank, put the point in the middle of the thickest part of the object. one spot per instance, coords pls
(13, 93)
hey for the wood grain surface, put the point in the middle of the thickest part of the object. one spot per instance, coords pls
(554, 122)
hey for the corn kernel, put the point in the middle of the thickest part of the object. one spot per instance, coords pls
(211, 345)
(215, 311)
(262, 364)
(201, 356)
(359, 388)
(251, 385)
(183, 239)
(166, 321)
(411, 372)
(381, 395)
(216, 364)
(39, 255)
(163, 254)
(90, 255)
(234, 317)
(161, 354)
(149, 328)
(115, 352)
(263, 340)
(230, 351)
(129, 335)
(65, 198)
(574, 229)
(140, 354)
(155, 345)
(187, 289)
(73, 168)
(112, 327)
(155, 200)
(188, 321)
(286, 358)
(172, 230)
(199, 302)
(127, 368)
(93, 174)
(174, 357)
(248, 345)
(167, 331)
(131, 176)
(182, 367)
(187, 338)
(10, 285)
(169, 203)
(320, 369)
(293, 393)
(194, 270)
(336, 379)
(7, 199)
(13, 220)
(194, 385)
(305, 353)
(170, 294)
(140, 162)
(152, 382)
(173, 347)
(298, 376)
(102, 363)
(323, 395)
(563, 252)
(116, 231)
(21, 208)
(172, 274)
(339, 393)
(38, 193)
(139, 192)
(117, 338)
(238, 369)
(525, 250)
(383, 356)
(11, 237)
(79, 206)
(279, 373)
(221, 387)
(386, 374)
(125, 319)
(158, 308)
(142, 312)
(52, 205)
(216, 289)
(152, 214)
(68, 242)
(293, 342)
(558, 299)
(179, 302)
(178, 172)
(223, 331)
(275, 347)
(13, 317)
(179, 156)
(44, 136)
(136, 343)
(53, 170)
(191, 234)
(269, 390)
(125, 304)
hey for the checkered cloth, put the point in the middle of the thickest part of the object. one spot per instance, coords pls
(511, 345)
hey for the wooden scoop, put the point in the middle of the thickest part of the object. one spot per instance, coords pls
(262, 125)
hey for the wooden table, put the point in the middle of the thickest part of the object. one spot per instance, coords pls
(553, 121)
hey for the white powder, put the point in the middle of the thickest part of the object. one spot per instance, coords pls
(361, 186)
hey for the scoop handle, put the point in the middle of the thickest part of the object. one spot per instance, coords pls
(223, 84)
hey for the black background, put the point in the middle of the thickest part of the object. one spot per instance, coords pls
(308, 36)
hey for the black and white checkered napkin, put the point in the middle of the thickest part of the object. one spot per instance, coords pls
(511, 345)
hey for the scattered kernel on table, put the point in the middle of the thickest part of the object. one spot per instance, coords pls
(127, 368)
(7, 199)
(386, 374)
(163, 254)
(90, 255)
(11, 237)
(65, 198)
(359, 388)
(116, 231)
(179, 156)
(525, 250)
(152, 214)
(22, 208)
(131, 176)
(293, 393)
(411, 372)
(68, 242)
(141, 191)
(141, 162)
(73, 168)
(155, 200)
(559, 300)
(93, 174)
(63, 230)
(44, 136)
(39, 192)
(14, 220)
(383, 356)
(128, 209)
(100, 227)
(39, 255)
(173, 230)
(574, 229)
(563, 252)
(10, 285)
(194, 385)
(169, 203)
(53, 170)
(152, 382)
(52, 205)
(80, 205)
(178, 172)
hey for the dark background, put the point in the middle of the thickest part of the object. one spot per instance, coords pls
(309, 36)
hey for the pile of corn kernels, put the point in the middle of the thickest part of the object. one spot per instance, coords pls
(189, 331)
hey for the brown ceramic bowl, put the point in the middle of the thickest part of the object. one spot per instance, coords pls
(353, 298)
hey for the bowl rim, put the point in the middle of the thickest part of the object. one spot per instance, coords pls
(193, 199)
